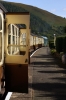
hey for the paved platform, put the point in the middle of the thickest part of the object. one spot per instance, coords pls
(47, 80)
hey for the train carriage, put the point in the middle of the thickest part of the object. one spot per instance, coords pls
(39, 42)
(36, 44)
(42, 41)
(31, 42)
(2, 22)
(16, 43)
(13, 63)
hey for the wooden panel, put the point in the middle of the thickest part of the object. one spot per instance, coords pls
(16, 78)
(34, 47)
(39, 45)
(1, 75)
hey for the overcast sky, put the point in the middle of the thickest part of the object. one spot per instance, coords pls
(57, 7)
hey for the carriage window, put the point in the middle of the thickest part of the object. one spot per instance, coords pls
(0, 47)
(13, 32)
(9, 29)
(9, 32)
(23, 36)
(17, 39)
(9, 39)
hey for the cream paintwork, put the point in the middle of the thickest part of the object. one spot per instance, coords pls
(17, 18)
(36, 40)
(42, 41)
(31, 40)
(2, 32)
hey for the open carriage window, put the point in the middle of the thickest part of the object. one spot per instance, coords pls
(0, 46)
(16, 38)
(13, 37)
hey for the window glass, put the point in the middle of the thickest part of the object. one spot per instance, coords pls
(12, 29)
(13, 39)
(16, 31)
(9, 29)
(9, 39)
(0, 46)
(24, 39)
(9, 49)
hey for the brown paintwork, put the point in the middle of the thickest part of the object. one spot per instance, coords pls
(16, 78)
(39, 45)
(1, 74)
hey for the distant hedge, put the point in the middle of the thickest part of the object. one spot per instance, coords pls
(64, 44)
(51, 44)
(59, 44)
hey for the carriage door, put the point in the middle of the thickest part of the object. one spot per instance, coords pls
(16, 59)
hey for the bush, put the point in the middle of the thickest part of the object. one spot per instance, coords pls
(51, 44)
(59, 44)
(64, 44)
(53, 51)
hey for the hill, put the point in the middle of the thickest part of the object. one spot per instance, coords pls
(42, 22)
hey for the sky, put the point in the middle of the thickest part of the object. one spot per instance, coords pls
(57, 7)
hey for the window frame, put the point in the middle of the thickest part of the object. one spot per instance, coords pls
(14, 44)
(2, 32)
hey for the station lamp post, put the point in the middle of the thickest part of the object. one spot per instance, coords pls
(54, 39)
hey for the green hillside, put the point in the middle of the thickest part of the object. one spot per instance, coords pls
(42, 22)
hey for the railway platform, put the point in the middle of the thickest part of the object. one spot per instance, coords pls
(47, 80)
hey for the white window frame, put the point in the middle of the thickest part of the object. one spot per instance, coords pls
(2, 31)
(16, 39)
